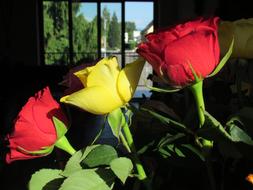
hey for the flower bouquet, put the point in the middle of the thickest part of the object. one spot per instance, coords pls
(159, 138)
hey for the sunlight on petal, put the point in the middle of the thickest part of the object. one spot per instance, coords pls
(83, 74)
(105, 73)
(129, 78)
(96, 100)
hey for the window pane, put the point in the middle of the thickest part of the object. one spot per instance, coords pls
(139, 21)
(56, 36)
(111, 30)
(84, 31)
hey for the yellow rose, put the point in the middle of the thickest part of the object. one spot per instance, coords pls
(242, 31)
(106, 87)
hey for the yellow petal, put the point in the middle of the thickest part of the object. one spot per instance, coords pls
(101, 66)
(129, 78)
(105, 73)
(96, 100)
(83, 74)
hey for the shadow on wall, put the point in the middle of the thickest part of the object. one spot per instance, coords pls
(176, 11)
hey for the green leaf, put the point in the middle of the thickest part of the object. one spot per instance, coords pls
(244, 117)
(213, 130)
(89, 180)
(169, 150)
(122, 168)
(46, 179)
(145, 147)
(116, 120)
(161, 107)
(183, 151)
(194, 150)
(239, 135)
(178, 152)
(164, 153)
(171, 146)
(232, 142)
(129, 114)
(73, 163)
(224, 59)
(169, 139)
(168, 90)
(60, 127)
(168, 121)
(54, 184)
(101, 155)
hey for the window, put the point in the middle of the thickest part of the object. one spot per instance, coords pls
(82, 31)
(138, 22)
(84, 16)
(111, 30)
(56, 32)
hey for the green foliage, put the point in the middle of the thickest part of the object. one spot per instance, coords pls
(73, 163)
(101, 155)
(122, 168)
(132, 45)
(130, 27)
(56, 34)
(46, 179)
(55, 31)
(91, 36)
(172, 146)
(106, 17)
(234, 140)
(100, 179)
(168, 121)
(114, 33)
(116, 120)
(92, 168)
(80, 25)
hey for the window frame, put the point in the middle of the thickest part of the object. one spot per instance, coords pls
(70, 24)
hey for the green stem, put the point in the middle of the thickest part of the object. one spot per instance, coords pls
(124, 142)
(141, 172)
(197, 92)
(64, 144)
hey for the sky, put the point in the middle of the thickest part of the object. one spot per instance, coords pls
(139, 12)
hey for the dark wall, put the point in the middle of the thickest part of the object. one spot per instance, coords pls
(174, 11)
(18, 33)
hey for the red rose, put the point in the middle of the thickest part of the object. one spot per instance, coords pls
(34, 129)
(171, 51)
